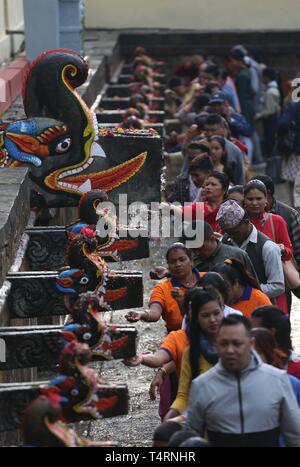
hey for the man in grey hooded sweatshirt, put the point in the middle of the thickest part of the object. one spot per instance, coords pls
(242, 401)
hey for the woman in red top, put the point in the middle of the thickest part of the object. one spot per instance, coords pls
(214, 191)
(272, 225)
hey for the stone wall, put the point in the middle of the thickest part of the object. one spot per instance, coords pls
(277, 49)
(193, 14)
(14, 214)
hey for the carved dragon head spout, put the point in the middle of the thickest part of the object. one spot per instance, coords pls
(49, 90)
(60, 124)
(88, 204)
(32, 141)
(90, 328)
(42, 425)
(79, 385)
(87, 271)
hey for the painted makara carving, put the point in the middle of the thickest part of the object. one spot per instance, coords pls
(90, 328)
(59, 138)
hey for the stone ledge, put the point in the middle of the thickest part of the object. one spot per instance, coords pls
(14, 214)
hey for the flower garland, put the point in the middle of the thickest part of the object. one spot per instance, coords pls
(117, 131)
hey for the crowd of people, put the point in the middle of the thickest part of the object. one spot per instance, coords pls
(242, 114)
(227, 374)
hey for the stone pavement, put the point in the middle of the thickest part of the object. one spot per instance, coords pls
(14, 214)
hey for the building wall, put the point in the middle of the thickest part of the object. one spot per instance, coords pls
(4, 39)
(11, 18)
(193, 14)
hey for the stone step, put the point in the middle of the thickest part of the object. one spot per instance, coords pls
(116, 116)
(40, 346)
(127, 69)
(34, 294)
(128, 78)
(176, 43)
(125, 90)
(14, 398)
(47, 247)
(113, 103)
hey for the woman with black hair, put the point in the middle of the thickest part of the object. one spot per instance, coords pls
(272, 225)
(218, 154)
(236, 193)
(213, 194)
(168, 361)
(162, 304)
(245, 293)
(172, 347)
(213, 280)
(214, 191)
(272, 318)
(169, 356)
(200, 355)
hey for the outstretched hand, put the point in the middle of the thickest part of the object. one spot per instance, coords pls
(133, 316)
(133, 361)
(159, 272)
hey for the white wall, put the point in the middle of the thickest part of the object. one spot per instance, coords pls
(11, 17)
(4, 39)
(194, 14)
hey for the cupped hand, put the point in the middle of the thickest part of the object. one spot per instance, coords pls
(133, 361)
(133, 316)
(158, 272)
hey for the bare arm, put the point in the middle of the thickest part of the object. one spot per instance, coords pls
(180, 403)
(154, 314)
(155, 360)
(159, 377)
(168, 208)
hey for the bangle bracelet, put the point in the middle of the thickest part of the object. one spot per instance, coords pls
(163, 370)
(147, 317)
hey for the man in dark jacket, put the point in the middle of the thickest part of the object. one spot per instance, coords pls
(214, 252)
